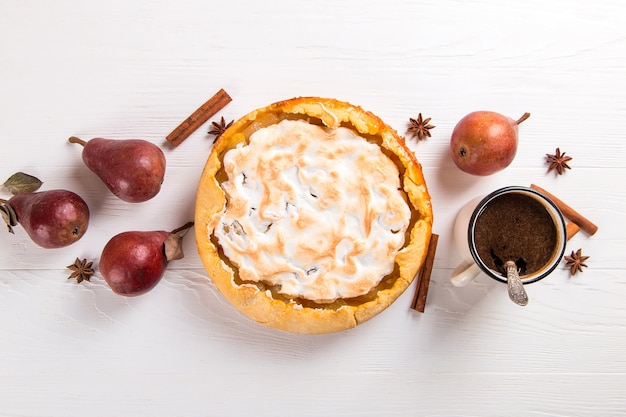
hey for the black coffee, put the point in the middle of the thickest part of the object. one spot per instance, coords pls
(515, 227)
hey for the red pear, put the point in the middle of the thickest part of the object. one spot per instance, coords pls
(133, 262)
(485, 142)
(52, 219)
(132, 169)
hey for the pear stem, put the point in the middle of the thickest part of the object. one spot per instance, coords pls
(183, 227)
(524, 117)
(74, 139)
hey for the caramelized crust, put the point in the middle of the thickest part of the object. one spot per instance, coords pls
(262, 302)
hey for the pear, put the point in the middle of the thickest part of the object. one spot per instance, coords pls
(485, 142)
(132, 169)
(133, 262)
(52, 219)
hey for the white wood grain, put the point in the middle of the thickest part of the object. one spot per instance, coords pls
(122, 69)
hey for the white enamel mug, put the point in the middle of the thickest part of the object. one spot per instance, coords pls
(464, 228)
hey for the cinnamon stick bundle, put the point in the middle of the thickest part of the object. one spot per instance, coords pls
(577, 218)
(571, 229)
(198, 117)
(419, 300)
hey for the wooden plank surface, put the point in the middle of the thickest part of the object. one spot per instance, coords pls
(137, 69)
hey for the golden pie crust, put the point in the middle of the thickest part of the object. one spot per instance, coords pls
(261, 302)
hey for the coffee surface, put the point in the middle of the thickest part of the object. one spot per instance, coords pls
(518, 228)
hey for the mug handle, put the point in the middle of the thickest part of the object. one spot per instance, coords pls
(464, 273)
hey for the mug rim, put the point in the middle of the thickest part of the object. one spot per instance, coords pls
(479, 209)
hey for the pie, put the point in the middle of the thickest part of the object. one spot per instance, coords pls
(312, 216)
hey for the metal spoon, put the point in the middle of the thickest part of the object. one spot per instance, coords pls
(511, 269)
(517, 293)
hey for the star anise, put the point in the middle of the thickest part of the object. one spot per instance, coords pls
(219, 128)
(419, 127)
(558, 161)
(81, 270)
(576, 261)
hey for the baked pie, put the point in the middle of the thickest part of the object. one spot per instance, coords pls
(312, 215)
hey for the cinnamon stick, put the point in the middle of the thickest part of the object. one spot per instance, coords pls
(571, 229)
(198, 117)
(419, 300)
(581, 221)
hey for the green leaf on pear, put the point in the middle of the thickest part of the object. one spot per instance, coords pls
(20, 183)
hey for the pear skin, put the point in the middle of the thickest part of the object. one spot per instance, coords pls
(132, 263)
(52, 219)
(132, 169)
(485, 142)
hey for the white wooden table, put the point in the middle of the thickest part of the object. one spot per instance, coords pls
(135, 69)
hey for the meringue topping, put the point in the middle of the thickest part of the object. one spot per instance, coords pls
(315, 212)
